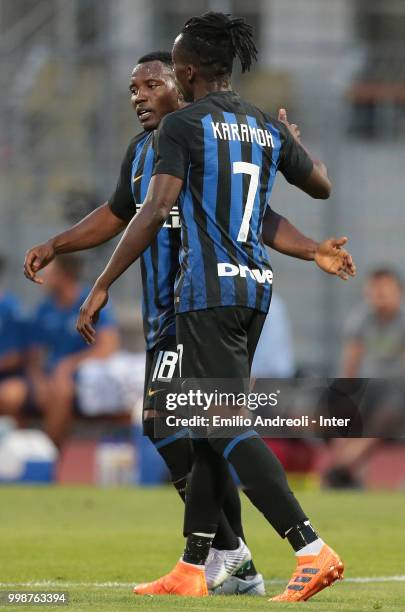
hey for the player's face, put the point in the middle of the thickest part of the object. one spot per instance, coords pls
(384, 295)
(153, 93)
(54, 279)
(184, 72)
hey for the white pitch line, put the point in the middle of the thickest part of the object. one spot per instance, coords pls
(127, 585)
(377, 579)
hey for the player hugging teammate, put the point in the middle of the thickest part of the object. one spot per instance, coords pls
(215, 160)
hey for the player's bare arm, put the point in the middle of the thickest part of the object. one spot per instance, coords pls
(352, 357)
(96, 228)
(317, 185)
(162, 194)
(281, 235)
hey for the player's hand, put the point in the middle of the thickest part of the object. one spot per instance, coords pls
(332, 258)
(89, 313)
(37, 258)
(292, 127)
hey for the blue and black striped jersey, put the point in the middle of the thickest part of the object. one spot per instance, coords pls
(227, 152)
(160, 261)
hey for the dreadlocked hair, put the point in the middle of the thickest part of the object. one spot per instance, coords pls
(215, 39)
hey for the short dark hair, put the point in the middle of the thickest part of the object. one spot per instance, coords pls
(215, 39)
(71, 264)
(157, 56)
(385, 272)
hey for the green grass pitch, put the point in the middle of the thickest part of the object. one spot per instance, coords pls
(80, 539)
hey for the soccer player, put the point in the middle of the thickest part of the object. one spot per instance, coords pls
(153, 95)
(220, 156)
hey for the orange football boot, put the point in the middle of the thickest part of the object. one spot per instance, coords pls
(313, 573)
(184, 579)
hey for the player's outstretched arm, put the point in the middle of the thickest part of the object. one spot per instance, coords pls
(96, 228)
(282, 236)
(163, 192)
(317, 184)
(329, 255)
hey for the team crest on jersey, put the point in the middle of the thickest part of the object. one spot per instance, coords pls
(173, 221)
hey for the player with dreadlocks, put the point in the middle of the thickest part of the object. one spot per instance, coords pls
(220, 156)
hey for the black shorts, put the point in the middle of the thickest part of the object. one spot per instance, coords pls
(218, 342)
(216, 348)
(161, 377)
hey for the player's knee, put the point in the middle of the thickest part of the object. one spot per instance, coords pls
(13, 394)
(65, 389)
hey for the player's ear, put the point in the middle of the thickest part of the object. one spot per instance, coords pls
(190, 73)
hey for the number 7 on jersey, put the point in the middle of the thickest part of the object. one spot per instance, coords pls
(241, 167)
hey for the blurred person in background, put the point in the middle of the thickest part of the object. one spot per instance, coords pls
(56, 351)
(375, 334)
(374, 348)
(12, 344)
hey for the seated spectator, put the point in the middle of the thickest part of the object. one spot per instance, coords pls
(57, 350)
(374, 348)
(12, 339)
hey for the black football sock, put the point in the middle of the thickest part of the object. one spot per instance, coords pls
(180, 486)
(301, 535)
(178, 456)
(207, 488)
(232, 508)
(263, 479)
(177, 453)
(225, 538)
(197, 548)
(230, 524)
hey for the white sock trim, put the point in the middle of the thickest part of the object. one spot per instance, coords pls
(311, 549)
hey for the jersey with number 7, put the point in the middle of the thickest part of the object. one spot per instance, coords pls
(227, 152)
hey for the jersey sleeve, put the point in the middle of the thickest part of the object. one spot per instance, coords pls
(172, 156)
(295, 164)
(121, 202)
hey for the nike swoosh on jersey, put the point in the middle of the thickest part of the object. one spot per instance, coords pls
(151, 393)
(137, 178)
